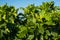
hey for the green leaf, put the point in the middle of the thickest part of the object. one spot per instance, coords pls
(41, 30)
(30, 37)
(48, 33)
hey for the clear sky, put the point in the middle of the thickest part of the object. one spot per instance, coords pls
(24, 3)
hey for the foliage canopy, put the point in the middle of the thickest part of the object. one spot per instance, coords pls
(36, 23)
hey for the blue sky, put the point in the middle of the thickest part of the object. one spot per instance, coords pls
(24, 3)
